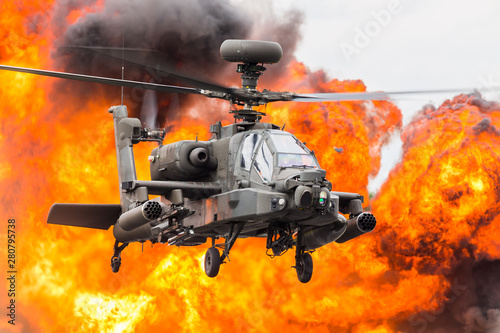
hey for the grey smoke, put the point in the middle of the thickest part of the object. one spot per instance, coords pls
(187, 32)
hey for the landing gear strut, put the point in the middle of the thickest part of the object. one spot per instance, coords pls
(303, 261)
(116, 259)
(213, 259)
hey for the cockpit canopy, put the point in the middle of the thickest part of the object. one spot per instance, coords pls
(264, 152)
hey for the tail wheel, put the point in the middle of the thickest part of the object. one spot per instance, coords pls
(304, 267)
(115, 264)
(212, 262)
(116, 259)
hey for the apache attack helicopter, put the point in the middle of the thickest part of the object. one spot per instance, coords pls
(251, 179)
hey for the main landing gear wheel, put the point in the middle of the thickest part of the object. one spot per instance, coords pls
(303, 260)
(304, 267)
(212, 262)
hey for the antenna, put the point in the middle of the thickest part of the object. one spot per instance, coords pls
(123, 61)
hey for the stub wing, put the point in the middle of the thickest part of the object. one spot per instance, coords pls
(95, 216)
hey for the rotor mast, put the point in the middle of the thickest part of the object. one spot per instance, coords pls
(249, 54)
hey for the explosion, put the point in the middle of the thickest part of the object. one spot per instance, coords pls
(440, 209)
(429, 266)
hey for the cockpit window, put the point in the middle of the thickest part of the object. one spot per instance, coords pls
(291, 153)
(264, 162)
(296, 160)
(287, 144)
(250, 144)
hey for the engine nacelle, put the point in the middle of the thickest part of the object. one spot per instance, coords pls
(183, 160)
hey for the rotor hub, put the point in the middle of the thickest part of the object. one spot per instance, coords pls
(247, 114)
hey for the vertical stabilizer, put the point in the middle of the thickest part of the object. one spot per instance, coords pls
(127, 132)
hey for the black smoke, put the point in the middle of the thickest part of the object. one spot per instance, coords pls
(185, 34)
(472, 303)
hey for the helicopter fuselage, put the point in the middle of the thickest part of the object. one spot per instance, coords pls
(253, 175)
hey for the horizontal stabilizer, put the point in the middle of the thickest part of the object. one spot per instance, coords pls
(96, 216)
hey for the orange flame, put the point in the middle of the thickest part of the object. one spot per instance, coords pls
(439, 208)
(444, 193)
(448, 183)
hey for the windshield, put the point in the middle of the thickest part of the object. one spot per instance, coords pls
(264, 162)
(249, 146)
(296, 160)
(287, 144)
(291, 153)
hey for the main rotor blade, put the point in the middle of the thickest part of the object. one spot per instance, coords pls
(325, 97)
(371, 96)
(104, 80)
(160, 69)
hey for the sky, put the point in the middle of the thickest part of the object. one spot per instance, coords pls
(407, 45)
(401, 45)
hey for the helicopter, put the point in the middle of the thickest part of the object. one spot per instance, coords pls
(250, 179)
